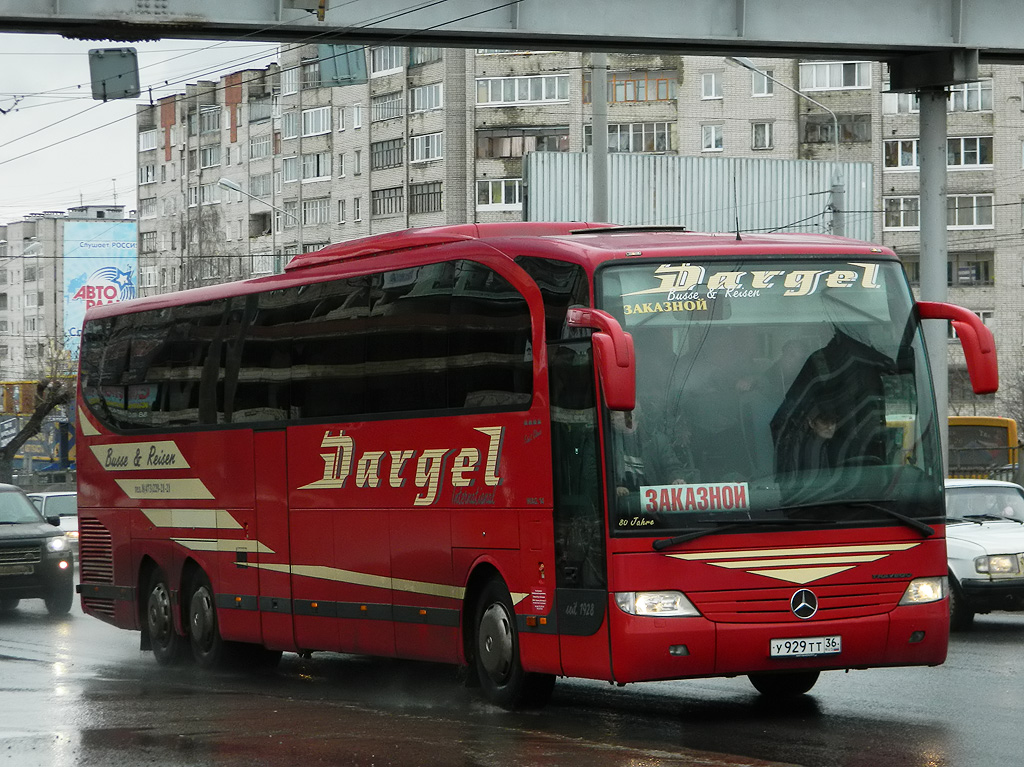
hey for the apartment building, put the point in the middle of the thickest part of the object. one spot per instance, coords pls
(333, 143)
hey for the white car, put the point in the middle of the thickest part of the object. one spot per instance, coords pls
(63, 505)
(984, 547)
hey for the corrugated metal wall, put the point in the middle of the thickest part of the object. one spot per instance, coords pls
(701, 193)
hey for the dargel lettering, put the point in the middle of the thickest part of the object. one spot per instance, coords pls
(426, 468)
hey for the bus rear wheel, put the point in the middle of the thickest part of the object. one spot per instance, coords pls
(496, 654)
(208, 648)
(169, 647)
(784, 685)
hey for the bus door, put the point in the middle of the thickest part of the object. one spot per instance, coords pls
(275, 603)
(581, 573)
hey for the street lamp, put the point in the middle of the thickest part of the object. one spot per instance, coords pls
(838, 190)
(234, 186)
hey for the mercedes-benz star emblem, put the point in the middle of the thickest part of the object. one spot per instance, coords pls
(804, 604)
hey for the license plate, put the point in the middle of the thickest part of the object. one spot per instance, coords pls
(16, 569)
(805, 646)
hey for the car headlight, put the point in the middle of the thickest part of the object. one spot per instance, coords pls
(658, 603)
(57, 544)
(921, 591)
(998, 564)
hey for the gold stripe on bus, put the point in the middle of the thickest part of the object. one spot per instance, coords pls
(223, 544)
(801, 575)
(202, 519)
(802, 561)
(804, 551)
(165, 489)
(338, 575)
(140, 456)
(86, 425)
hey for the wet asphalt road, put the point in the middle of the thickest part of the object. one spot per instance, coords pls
(74, 691)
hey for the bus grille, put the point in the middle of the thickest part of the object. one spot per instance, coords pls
(21, 555)
(855, 600)
(96, 552)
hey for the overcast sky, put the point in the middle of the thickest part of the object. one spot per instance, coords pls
(61, 148)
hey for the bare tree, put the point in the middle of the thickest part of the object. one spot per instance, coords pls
(50, 393)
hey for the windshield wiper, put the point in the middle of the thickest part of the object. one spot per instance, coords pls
(995, 517)
(664, 543)
(926, 530)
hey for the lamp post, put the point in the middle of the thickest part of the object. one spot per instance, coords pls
(838, 189)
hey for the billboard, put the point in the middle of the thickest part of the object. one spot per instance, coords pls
(100, 267)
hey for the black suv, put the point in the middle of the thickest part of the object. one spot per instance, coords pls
(35, 557)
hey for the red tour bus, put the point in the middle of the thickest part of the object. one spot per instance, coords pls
(537, 450)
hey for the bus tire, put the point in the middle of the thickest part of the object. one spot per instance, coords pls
(9, 604)
(496, 654)
(961, 617)
(208, 648)
(785, 685)
(169, 647)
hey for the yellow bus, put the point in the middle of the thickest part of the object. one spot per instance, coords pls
(982, 446)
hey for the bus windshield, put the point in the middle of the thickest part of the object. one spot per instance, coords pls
(789, 389)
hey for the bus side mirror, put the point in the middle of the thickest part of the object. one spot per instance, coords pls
(613, 355)
(978, 343)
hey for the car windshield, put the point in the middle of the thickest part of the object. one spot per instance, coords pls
(984, 502)
(16, 509)
(770, 386)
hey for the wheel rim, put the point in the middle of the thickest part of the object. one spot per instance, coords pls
(495, 645)
(160, 619)
(203, 619)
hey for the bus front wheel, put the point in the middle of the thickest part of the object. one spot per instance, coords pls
(496, 654)
(169, 647)
(784, 685)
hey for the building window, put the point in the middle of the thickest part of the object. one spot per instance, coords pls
(711, 138)
(834, 75)
(515, 142)
(821, 128)
(504, 91)
(316, 211)
(969, 269)
(419, 56)
(260, 147)
(386, 106)
(385, 59)
(384, 202)
(316, 165)
(969, 211)
(209, 119)
(209, 157)
(386, 154)
(426, 98)
(148, 242)
(290, 125)
(901, 213)
(425, 198)
(900, 103)
(147, 209)
(260, 109)
(971, 97)
(341, 211)
(261, 185)
(310, 74)
(357, 115)
(499, 194)
(147, 174)
(357, 208)
(762, 136)
(761, 83)
(900, 154)
(290, 169)
(316, 121)
(969, 152)
(147, 140)
(426, 148)
(288, 216)
(289, 80)
(634, 86)
(636, 137)
(711, 85)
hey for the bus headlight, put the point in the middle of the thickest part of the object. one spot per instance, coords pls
(57, 544)
(921, 591)
(659, 603)
(998, 564)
